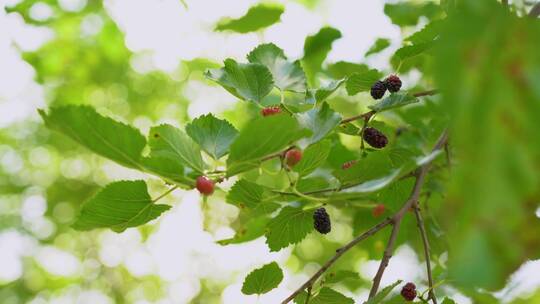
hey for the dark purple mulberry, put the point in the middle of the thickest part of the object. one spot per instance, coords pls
(392, 83)
(321, 221)
(408, 292)
(378, 89)
(375, 138)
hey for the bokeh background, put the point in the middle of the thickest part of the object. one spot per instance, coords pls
(142, 62)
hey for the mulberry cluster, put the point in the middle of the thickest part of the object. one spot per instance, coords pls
(271, 110)
(392, 83)
(408, 292)
(374, 138)
(321, 221)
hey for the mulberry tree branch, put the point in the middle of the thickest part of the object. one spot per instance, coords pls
(425, 242)
(398, 217)
(535, 11)
(368, 114)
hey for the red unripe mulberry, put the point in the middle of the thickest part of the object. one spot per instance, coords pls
(204, 185)
(271, 110)
(378, 210)
(293, 157)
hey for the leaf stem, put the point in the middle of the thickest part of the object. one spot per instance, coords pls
(165, 194)
(425, 242)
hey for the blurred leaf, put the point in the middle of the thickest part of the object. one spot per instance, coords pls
(316, 48)
(323, 92)
(118, 206)
(343, 69)
(373, 166)
(212, 134)
(408, 13)
(254, 228)
(313, 157)
(257, 17)
(448, 301)
(362, 82)
(259, 138)
(379, 297)
(288, 76)
(339, 276)
(329, 296)
(374, 185)
(247, 81)
(395, 100)
(102, 135)
(263, 279)
(380, 45)
(409, 51)
(172, 143)
(319, 121)
(290, 226)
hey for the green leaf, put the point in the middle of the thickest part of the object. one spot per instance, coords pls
(374, 165)
(323, 92)
(288, 76)
(167, 167)
(316, 48)
(362, 82)
(319, 121)
(380, 45)
(290, 226)
(395, 100)
(329, 296)
(171, 143)
(256, 18)
(251, 230)
(374, 185)
(427, 34)
(379, 297)
(343, 69)
(263, 279)
(413, 50)
(104, 136)
(259, 138)
(247, 81)
(313, 157)
(448, 301)
(118, 206)
(408, 13)
(340, 275)
(212, 134)
(245, 193)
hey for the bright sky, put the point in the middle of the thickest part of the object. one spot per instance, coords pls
(162, 33)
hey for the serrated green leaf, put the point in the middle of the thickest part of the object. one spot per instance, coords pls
(171, 143)
(247, 81)
(257, 17)
(213, 135)
(118, 206)
(316, 48)
(395, 100)
(329, 296)
(263, 279)
(254, 228)
(259, 138)
(288, 76)
(380, 45)
(323, 92)
(379, 297)
(171, 169)
(374, 185)
(408, 13)
(102, 135)
(362, 82)
(426, 34)
(320, 121)
(396, 194)
(413, 50)
(313, 157)
(290, 226)
(245, 193)
(374, 165)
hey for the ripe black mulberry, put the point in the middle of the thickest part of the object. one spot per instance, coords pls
(375, 138)
(321, 221)
(408, 292)
(378, 89)
(393, 83)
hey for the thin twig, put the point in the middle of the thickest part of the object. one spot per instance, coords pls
(274, 155)
(164, 194)
(535, 11)
(368, 114)
(398, 217)
(339, 253)
(425, 241)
